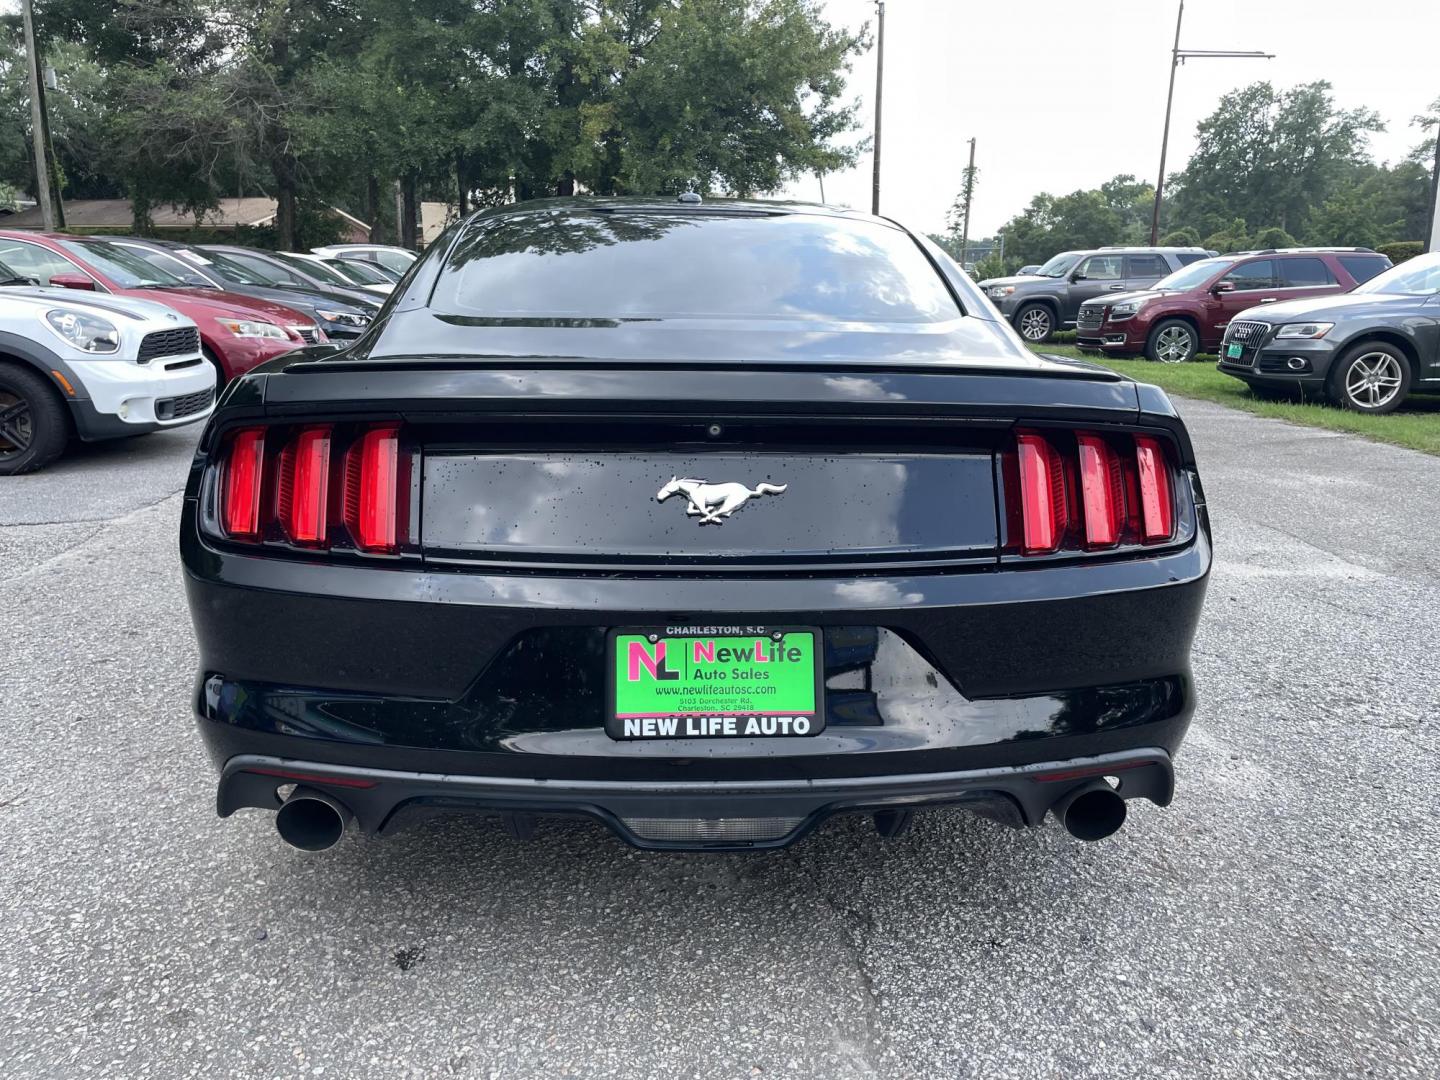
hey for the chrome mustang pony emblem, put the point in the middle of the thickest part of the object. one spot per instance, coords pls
(713, 503)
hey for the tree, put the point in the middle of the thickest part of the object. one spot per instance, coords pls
(1233, 237)
(1273, 238)
(1268, 156)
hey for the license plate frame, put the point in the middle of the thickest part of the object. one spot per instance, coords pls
(704, 716)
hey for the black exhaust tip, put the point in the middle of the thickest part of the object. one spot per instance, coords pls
(1091, 811)
(311, 820)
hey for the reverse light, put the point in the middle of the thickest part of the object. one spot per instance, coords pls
(372, 473)
(240, 485)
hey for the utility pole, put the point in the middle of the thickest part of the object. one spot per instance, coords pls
(37, 121)
(969, 192)
(1177, 57)
(879, 91)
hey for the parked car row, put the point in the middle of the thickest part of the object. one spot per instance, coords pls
(103, 337)
(1049, 300)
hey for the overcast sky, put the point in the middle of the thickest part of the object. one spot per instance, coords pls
(1063, 94)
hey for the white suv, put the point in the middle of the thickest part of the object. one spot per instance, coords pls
(93, 366)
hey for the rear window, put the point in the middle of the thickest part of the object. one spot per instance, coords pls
(1364, 267)
(1142, 266)
(1188, 257)
(1307, 272)
(572, 264)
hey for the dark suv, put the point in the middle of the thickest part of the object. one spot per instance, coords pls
(1041, 303)
(1188, 311)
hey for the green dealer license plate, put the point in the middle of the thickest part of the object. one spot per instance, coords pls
(714, 682)
(1234, 351)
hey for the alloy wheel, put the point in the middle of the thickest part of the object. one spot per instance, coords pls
(1035, 325)
(1173, 345)
(1373, 380)
(16, 427)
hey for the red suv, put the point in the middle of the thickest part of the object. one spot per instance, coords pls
(1187, 312)
(236, 332)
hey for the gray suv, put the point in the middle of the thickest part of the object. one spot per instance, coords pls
(1039, 304)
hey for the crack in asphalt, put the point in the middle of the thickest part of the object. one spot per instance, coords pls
(857, 926)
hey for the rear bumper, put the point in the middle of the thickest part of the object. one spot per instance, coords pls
(691, 816)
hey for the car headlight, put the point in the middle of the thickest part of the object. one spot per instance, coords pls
(1305, 330)
(255, 329)
(86, 332)
(999, 292)
(1127, 307)
(344, 318)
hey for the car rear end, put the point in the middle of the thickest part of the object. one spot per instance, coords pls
(427, 583)
(431, 623)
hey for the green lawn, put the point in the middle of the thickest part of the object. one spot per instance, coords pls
(1416, 424)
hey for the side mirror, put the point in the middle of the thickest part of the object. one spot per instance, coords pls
(73, 281)
(1077, 276)
(1222, 286)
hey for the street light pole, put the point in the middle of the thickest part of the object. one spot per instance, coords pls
(879, 91)
(1177, 57)
(37, 121)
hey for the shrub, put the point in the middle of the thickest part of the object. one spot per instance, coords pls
(1185, 237)
(1234, 237)
(1401, 250)
(1273, 238)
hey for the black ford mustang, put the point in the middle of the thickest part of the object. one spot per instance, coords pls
(707, 521)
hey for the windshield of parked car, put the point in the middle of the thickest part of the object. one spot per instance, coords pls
(317, 270)
(226, 269)
(1193, 276)
(1060, 265)
(1419, 276)
(639, 264)
(12, 277)
(127, 269)
(170, 264)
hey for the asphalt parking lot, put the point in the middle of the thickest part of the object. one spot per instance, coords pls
(1281, 919)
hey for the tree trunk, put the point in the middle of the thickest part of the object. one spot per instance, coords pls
(462, 183)
(408, 223)
(372, 207)
(566, 186)
(286, 171)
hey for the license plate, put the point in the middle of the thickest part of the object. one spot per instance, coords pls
(1234, 351)
(714, 682)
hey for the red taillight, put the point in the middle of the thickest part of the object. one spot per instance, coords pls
(241, 484)
(1102, 491)
(372, 490)
(1157, 507)
(1091, 493)
(1044, 502)
(296, 494)
(303, 487)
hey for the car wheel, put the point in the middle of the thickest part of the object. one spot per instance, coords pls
(1371, 378)
(33, 425)
(1173, 341)
(220, 378)
(1035, 322)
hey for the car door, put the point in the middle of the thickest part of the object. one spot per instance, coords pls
(1305, 275)
(1095, 276)
(1249, 283)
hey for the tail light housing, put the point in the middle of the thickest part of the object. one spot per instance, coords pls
(318, 486)
(1088, 491)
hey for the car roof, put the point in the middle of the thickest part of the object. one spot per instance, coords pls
(1308, 251)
